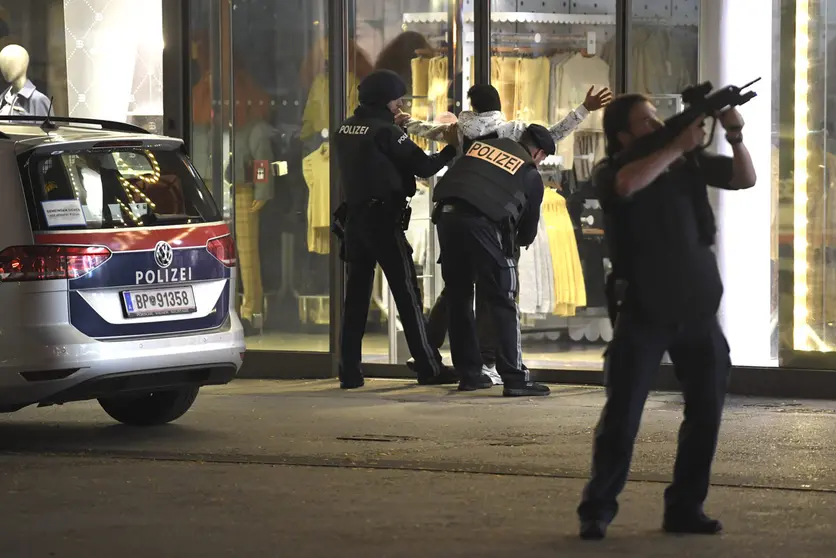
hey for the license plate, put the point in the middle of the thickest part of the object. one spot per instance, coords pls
(159, 302)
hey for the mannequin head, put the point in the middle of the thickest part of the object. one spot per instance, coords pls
(14, 62)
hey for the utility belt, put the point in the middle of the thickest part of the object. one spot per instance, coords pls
(507, 228)
(374, 209)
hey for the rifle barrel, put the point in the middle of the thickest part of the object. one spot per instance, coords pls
(754, 81)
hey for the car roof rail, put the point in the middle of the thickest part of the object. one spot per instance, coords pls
(109, 125)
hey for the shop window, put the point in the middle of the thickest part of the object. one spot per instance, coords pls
(84, 58)
(269, 112)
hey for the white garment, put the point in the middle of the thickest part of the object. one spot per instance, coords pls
(663, 60)
(554, 79)
(546, 268)
(536, 275)
(418, 233)
(575, 76)
(477, 124)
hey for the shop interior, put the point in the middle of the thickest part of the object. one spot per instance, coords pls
(265, 64)
(543, 63)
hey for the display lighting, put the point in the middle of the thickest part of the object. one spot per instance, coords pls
(802, 41)
(804, 338)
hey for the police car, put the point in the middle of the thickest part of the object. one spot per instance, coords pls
(116, 272)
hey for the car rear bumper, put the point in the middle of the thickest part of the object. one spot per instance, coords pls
(59, 374)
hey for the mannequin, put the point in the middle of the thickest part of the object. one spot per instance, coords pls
(21, 97)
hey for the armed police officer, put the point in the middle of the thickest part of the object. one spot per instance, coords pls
(487, 204)
(665, 290)
(378, 164)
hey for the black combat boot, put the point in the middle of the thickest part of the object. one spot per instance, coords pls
(474, 382)
(691, 524)
(428, 378)
(593, 529)
(527, 389)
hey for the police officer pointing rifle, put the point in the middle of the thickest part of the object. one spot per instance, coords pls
(378, 164)
(485, 204)
(665, 291)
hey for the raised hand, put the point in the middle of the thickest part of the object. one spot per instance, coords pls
(597, 101)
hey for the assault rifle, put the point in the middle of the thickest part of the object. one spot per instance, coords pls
(699, 99)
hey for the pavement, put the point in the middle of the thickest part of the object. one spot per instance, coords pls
(302, 469)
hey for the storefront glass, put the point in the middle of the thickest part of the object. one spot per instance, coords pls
(415, 39)
(260, 101)
(268, 113)
(91, 58)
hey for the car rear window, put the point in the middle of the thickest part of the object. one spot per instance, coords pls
(114, 188)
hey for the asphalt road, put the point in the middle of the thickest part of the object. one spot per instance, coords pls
(302, 469)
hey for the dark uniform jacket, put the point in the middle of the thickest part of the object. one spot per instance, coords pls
(378, 161)
(498, 178)
(660, 239)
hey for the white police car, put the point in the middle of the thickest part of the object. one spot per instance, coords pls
(117, 272)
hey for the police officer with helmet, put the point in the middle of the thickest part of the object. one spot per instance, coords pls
(665, 290)
(378, 164)
(487, 205)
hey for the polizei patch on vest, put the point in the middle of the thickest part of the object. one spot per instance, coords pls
(354, 130)
(495, 156)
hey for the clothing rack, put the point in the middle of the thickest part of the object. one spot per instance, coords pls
(516, 17)
(663, 22)
(534, 40)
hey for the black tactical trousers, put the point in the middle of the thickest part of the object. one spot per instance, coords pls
(373, 235)
(471, 253)
(700, 356)
(439, 322)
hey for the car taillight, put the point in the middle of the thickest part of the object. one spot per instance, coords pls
(223, 248)
(41, 263)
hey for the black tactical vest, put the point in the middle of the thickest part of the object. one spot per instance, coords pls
(366, 172)
(467, 142)
(657, 245)
(490, 177)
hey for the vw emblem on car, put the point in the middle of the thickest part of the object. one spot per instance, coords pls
(163, 254)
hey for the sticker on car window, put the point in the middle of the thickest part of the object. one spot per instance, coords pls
(139, 208)
(63, 213)
(115, 212)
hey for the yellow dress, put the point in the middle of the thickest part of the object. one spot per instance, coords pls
(531, 103)
(439, 83)
(505, 77)
(315, 116)
(316, 170)
(420, 109)
(569, 286)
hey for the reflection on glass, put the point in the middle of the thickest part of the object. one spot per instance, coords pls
(260, 118)
(68, 54)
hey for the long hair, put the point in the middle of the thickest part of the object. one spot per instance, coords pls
(398, 54)
(617, 119)
(314, 62)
